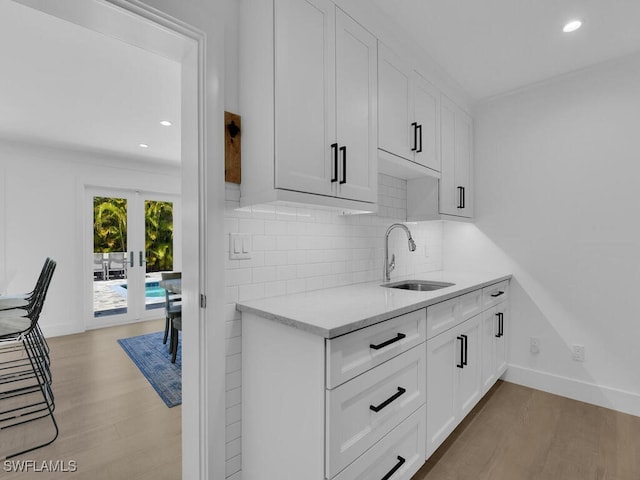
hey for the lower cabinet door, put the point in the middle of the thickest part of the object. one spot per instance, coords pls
(489, 330)
(502, 316)
(442, 355)
(397, 456)
(469, 389)
(363, 410)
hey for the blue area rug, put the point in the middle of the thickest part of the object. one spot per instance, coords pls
(154, 361)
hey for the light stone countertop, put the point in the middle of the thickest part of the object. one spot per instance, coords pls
(335, 311)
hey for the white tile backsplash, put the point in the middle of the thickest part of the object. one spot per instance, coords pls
(301, 249)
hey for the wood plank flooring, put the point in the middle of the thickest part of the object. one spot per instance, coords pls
(516, 433)
(112, 422)
(115, 426)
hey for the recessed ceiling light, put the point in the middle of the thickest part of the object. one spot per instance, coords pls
(166, 123)
(572, 26)
(143, 145)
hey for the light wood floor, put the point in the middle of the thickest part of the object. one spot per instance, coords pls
(115, 426)
(517, 433)
(112, 422)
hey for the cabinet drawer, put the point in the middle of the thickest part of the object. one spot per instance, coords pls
(401, 451)
(363, 410)
(470, 304)
(359, 351)
(445, 315)
(494, 294)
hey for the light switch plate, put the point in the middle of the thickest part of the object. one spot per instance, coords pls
(239, 246)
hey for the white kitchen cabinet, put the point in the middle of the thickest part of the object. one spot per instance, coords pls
(296, 425)
(466, 354)
(365, 409)
(309, 105)
(374, 402)
(408, 117)
(350, 355)
(456, 136)
(495, 328)
(453, 379)
(397, 456)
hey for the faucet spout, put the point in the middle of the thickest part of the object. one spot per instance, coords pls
(388, 267)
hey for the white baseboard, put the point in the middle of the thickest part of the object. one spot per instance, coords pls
(60, 330)
(602, 396)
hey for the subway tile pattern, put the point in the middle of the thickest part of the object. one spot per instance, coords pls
(297, 249)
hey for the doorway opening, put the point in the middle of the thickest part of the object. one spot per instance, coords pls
(150, 29)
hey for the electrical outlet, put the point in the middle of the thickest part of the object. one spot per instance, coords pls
(578, 353)
(534, 345)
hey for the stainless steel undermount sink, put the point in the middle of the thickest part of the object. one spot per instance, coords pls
(418, 285)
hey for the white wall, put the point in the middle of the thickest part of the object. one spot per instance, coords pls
(299, 249)
(43, 188)
(556, 193)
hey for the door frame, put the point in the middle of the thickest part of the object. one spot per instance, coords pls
(202, 58)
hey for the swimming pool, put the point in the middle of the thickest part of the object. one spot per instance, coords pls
(151, 290)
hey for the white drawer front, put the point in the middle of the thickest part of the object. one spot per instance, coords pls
(395, 389)
(470, 304)
(494, 294)
(359, 351)
(401, 451)
(441, 317)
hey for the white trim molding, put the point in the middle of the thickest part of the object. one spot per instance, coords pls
(600, 395)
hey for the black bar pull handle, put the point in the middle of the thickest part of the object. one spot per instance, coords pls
(497, 294)
(501, 323)
(466, 350)
(334, 177)
(420, 137)
(131, 260)
(499, 334)
(414, 125)
(394, 469)
(344, 165)
(395, 396)
(464, 197)
(460, 197)
(461, 364)
(395, 339)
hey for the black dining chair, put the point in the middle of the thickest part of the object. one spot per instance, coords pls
(21, 300)
(172, 304)
(176, 328)
(25, 374)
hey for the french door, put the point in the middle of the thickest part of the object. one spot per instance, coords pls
(131, 241)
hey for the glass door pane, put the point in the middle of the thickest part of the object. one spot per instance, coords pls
(110, 259)
(158, 246)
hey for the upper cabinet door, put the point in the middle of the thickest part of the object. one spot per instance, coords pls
(356, 110)
(304, 89)
(427, 119)
(409, 113)
(456, 134)
(395, 116)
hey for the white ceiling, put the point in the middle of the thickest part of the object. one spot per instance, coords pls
(494, 46)
(64, 84)
(67, 85)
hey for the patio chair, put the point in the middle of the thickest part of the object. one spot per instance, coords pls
(116, 265)
(25, 373)
(99, 267)
(172, 304)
